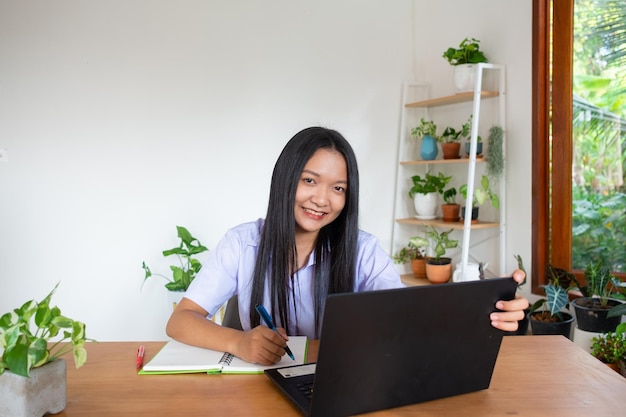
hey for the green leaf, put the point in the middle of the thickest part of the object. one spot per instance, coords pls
(80, 354)
(557, 298)
(17, 360)
(38, 352)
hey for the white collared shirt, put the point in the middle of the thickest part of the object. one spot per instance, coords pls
(230, 266)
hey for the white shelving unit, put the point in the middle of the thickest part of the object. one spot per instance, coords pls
(487, 106)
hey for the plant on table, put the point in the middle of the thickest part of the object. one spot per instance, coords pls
(560, 282)
(30, 337)
(185, 271)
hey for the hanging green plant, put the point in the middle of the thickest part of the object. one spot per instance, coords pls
(495, 154)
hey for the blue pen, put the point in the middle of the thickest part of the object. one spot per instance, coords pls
(269, 323)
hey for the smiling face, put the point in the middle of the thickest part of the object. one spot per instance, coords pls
(321, 192)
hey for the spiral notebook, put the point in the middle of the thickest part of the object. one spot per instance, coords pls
(179, 358)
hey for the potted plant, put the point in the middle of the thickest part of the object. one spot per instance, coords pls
(32, 372)
(464, 60)
(413, 252)
(481, 193)
(450, 138)
(438, 267)
(185, 271)
(450, 209)
(427, 131)
(593, 307)
(546, 315)
(610, 348)
(479, 147)
(424, 192)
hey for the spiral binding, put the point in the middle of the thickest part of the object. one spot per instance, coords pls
(227, 358)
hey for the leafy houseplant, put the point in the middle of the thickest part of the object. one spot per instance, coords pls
(26, 331)
(426, 128)
(463, 59)
(413, 252)
(183, 273)
(428, 184)
(33, 338)
(481, 193)
(609, 348)
(468, 52)
(438, 268)
(451, 135)
(424, 193)
(450, 209)
(551, 319)
(427, 131)
(593, 307)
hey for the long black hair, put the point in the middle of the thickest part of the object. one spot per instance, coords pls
(336, 246)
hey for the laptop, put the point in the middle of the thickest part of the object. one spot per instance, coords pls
(389, 348)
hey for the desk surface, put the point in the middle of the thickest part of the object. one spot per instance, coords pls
(534, 376)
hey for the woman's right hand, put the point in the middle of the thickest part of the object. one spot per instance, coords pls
(262, 345)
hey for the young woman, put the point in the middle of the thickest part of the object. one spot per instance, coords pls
(308, 246)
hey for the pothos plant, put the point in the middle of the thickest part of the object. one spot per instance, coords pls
(185, 272)
(26, 334)
(413, 250)
(468, 52)
(451, 135)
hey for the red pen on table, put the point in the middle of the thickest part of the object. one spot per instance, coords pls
(139, 361)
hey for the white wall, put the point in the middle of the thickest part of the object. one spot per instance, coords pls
(123, 119)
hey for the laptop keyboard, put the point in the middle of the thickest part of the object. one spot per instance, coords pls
(306, 388)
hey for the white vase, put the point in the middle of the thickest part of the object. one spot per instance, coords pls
(464, 77)
(426, 205)
(45, 391)
(174, 297)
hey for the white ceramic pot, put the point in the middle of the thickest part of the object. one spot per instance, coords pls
(464, 77)
(472, 273)
(426, 205)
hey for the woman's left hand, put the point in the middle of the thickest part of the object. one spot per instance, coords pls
(512, 311)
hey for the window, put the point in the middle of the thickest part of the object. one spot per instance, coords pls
(559, 237)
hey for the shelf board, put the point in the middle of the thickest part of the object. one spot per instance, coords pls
(411, 280)
(442, 161)
(450, 225)
(456, 98)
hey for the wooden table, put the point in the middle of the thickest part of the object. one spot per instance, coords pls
(534, 376)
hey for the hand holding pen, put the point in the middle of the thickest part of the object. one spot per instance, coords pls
(269, 323)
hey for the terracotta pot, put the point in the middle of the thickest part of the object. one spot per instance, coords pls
(439, 274)
(450, 212)
(451, 150)
(419, 267)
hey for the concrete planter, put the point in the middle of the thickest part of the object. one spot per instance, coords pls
(45, 391)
